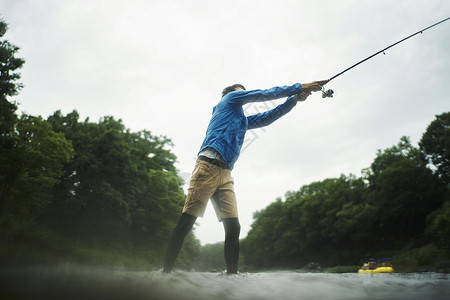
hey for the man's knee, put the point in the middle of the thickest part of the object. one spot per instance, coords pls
(232, 227)
(185, 223)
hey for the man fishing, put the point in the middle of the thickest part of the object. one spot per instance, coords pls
(211, 178)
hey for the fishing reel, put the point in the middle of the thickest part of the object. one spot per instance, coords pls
(327, 93)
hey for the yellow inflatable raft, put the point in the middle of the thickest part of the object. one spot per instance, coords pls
(377, 270)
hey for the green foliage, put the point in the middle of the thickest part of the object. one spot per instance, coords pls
(439, 226)
(32, 166)
(8, 66)
(408, 193)
(313, 224)
(120, 186)
(8, 118)
(435, 143)
(402, 151)
(97, 183)
(404, 191)
(424, 258)
(343, 269)
(399, 202)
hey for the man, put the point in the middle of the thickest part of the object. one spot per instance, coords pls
(211, 178)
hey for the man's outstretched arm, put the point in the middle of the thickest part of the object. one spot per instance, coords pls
(243, 97)
(268, 117)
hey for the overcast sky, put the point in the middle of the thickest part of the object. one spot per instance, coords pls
(161, 66)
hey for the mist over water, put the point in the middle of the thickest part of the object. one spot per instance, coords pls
(90, 283)
(290, 285)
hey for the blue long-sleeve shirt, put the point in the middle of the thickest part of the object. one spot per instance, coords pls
(229, 124)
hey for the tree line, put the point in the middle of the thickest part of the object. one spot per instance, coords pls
(66, 181)
(401, 201)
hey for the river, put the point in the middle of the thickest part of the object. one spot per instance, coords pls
(69, 282)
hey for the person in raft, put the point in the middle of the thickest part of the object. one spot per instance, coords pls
(211, 178)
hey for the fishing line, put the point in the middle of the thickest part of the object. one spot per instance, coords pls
(329, 93)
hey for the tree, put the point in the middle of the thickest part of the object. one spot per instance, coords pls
(439, 226)
(319, 223)
(33, 167)
(403, 150)
(338, 220)
(31, 154)
(435, 143)
(9, 86)
(407, 194)
(404, 191)
(121, 187)
(262, 246)
(8, 118)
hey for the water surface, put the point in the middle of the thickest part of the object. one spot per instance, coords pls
(93, 283)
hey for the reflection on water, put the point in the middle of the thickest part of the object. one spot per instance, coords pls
(68, 282)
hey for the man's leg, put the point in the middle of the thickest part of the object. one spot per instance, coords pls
(176, 240)
(231, 249)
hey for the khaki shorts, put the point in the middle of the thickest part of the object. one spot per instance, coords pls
(209, 181)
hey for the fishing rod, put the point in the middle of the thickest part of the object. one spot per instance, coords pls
(329, 93)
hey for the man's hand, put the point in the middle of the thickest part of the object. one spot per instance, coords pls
(308, 88)
(314, 86)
